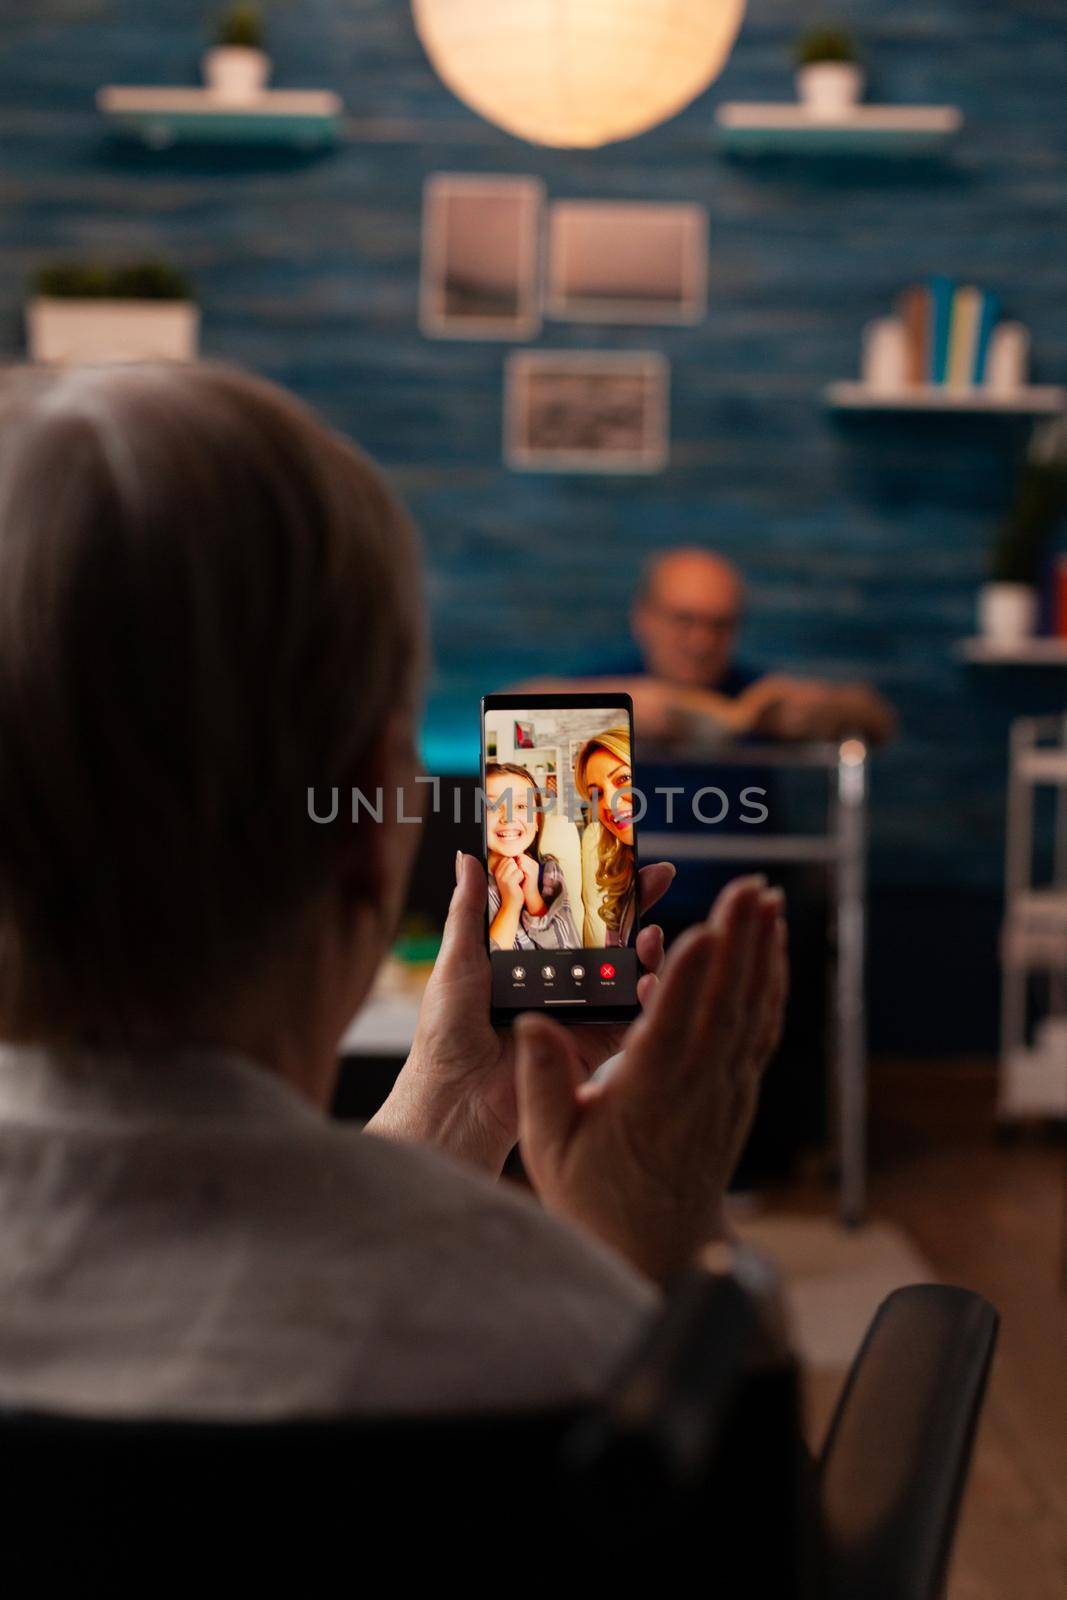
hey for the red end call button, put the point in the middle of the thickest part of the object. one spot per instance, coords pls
(607, 971)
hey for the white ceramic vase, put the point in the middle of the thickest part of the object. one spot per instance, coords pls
(235, 73)
(830, 89)
(1007, 612)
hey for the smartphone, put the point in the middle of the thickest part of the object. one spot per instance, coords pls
(559, 835)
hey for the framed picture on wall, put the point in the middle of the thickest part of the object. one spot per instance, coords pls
(612, 261)
(586, 411)
(480, 257)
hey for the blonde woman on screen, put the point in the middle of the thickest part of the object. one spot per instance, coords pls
(603, 770)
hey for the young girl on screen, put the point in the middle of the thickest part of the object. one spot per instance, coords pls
(603, 768)
(528, 907)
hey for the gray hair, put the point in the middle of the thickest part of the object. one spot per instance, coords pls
(208, 602)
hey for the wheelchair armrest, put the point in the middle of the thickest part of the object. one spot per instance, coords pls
(894, 1464)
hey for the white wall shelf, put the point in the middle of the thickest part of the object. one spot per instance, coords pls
(788, 127)
(1042, 652)
(1035, 400)
(302, 118)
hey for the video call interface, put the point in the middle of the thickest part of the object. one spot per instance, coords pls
(559, 838)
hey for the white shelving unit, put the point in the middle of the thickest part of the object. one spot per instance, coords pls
(1033, 1070)
(788, 127)
(1035, 400)
(1038, 652)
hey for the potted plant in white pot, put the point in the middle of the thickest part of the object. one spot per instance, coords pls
(85, 313)
(237, 67)
(1007, 603)
(830, 78)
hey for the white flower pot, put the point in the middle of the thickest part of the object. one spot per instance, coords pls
(235, 73)
(830, 89)
(1007, 612)
(94, 332)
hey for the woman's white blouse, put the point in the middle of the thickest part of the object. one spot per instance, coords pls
(183, 1235)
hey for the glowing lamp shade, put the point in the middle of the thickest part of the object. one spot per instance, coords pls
(577, 72)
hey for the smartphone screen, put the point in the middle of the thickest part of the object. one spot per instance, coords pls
(560, 840)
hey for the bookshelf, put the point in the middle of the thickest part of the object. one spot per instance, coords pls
(305, 119)
(749, 128)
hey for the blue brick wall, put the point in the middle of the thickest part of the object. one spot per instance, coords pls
(863, 543)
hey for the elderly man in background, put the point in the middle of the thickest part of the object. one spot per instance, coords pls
(687, 684)
(692, 694)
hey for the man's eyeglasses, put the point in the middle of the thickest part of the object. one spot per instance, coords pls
(699, 621)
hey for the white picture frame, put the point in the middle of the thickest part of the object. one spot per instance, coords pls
(586, 411)
(626, 261)
(481, 247)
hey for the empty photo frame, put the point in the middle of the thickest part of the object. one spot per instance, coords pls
(586, 411)
(480, 257)
(614, 261)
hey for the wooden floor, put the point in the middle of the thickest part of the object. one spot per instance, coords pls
(988, 1216)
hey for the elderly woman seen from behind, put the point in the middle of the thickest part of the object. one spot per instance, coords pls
(208, 607)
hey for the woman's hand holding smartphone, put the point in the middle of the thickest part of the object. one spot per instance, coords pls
(456, 1090)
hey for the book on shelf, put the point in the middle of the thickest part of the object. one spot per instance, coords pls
(963, 336)
(946, 331)
(942, 291)
(913, 309)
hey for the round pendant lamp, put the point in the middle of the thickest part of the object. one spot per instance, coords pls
(577, 72)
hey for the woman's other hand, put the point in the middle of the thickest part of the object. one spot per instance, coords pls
(642, 1158)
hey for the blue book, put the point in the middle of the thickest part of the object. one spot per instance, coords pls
(988, 317)
(942, 293)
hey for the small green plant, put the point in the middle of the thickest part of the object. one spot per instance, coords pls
(241, 27)
(825, 44)
(1023, 538)
(95, 280)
